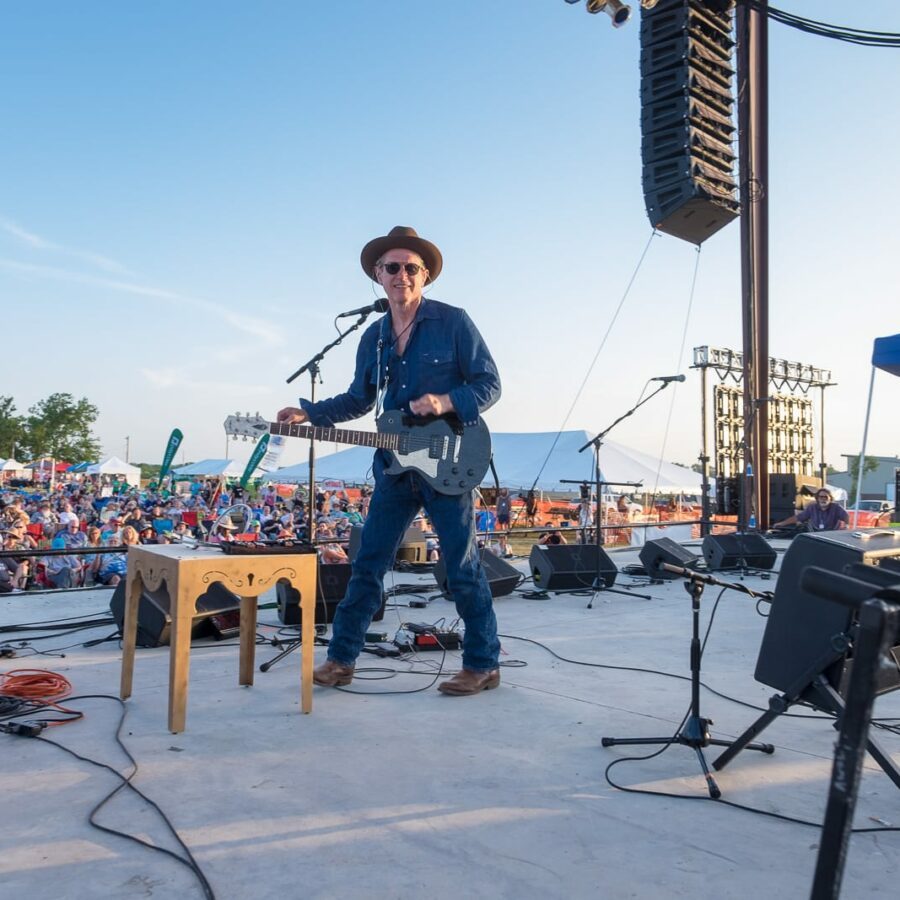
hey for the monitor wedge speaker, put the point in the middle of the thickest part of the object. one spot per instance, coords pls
(569, 567)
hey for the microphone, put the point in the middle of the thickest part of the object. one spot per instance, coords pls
(379, 306)
(667, 378)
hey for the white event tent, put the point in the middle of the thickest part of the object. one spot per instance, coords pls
(115, 466)
(10, 465)
(520, 458)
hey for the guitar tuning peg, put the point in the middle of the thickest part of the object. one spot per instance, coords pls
(257, 414)
(238, 414)
(245, 438)
(248, 415)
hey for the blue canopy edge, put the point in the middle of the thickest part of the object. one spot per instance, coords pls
(886, 354)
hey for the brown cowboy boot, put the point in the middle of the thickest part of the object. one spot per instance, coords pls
(467, 681)
(332, 674)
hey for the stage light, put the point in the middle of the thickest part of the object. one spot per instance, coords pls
(619, 12)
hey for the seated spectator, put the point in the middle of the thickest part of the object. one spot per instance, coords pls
(146, 534)
(72, 535)
(44, 515)
(223, 533)
(17, 569)
(64, 571)
(92, 563)
(67, 514)
(181, 531)
(113, 566)
(329, 552)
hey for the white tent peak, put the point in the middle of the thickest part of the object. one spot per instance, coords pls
(10, 465)
(522, 457)
(210, 468)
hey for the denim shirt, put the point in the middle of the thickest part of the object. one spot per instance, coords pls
(445, 354)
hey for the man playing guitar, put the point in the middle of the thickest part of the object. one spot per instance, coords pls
(424, 358)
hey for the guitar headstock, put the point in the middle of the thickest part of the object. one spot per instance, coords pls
(246, 426)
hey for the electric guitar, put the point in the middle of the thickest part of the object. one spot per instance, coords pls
(450, 456)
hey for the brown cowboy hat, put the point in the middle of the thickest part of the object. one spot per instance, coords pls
(402, 237)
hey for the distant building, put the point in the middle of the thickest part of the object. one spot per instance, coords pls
(874, 486)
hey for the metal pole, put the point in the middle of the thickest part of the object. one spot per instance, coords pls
(752, 49)
(704, 459)
(823, 466)
(862, 453)
(759, 99)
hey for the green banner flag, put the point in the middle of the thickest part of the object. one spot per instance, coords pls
(259, 451)
(175, 439)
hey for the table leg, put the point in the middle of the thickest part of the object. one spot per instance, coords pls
(248, 639)
(133, 590)
(179, 656)
(307, 633)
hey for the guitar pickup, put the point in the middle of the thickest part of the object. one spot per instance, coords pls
(438, 447)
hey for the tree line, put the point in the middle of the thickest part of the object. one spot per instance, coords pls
(58, 426)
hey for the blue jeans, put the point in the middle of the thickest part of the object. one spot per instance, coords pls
(395, 502)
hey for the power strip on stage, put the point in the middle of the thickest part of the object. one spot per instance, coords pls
(413, 636)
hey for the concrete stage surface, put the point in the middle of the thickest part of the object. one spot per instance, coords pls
(400, 792)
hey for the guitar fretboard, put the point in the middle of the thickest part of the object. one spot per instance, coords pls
(337, 435)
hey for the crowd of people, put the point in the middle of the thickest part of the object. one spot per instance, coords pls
(98, 514)
(95, 513)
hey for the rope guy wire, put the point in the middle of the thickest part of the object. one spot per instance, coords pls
(590, 369)
(679, 362)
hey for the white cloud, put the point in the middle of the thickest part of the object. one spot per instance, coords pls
(249, 325)
(39, 243)
(172, 377)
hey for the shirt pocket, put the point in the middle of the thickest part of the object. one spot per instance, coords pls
(438, 359)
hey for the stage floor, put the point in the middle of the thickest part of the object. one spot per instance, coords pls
(397, 791)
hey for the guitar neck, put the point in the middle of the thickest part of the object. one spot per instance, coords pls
(337, 435)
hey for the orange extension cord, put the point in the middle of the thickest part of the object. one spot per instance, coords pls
(39, 686)
(35, 684)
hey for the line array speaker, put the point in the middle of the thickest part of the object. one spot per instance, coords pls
(801, 626)
(567, 567)
(732, 551)
(502, 577)
(665, 550)
(155, 620)
(331, 586)
(687, 122)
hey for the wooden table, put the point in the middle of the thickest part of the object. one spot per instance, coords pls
(187, 574)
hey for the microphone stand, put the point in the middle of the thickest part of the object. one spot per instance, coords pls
(312, 366)
(695, 730)
(597, 442)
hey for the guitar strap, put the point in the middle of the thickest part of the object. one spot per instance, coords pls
(381, 375)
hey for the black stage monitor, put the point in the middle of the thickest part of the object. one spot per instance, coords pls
(801, 626)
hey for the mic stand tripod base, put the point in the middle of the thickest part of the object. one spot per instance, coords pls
(287, 647)
(599, 587)
(695, 733)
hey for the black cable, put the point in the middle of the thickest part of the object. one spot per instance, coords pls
(126, 782)
(37, 626)
(862, 36)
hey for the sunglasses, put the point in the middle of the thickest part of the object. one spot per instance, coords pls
(411, 269)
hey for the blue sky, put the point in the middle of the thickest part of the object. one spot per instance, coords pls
(188, 186)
